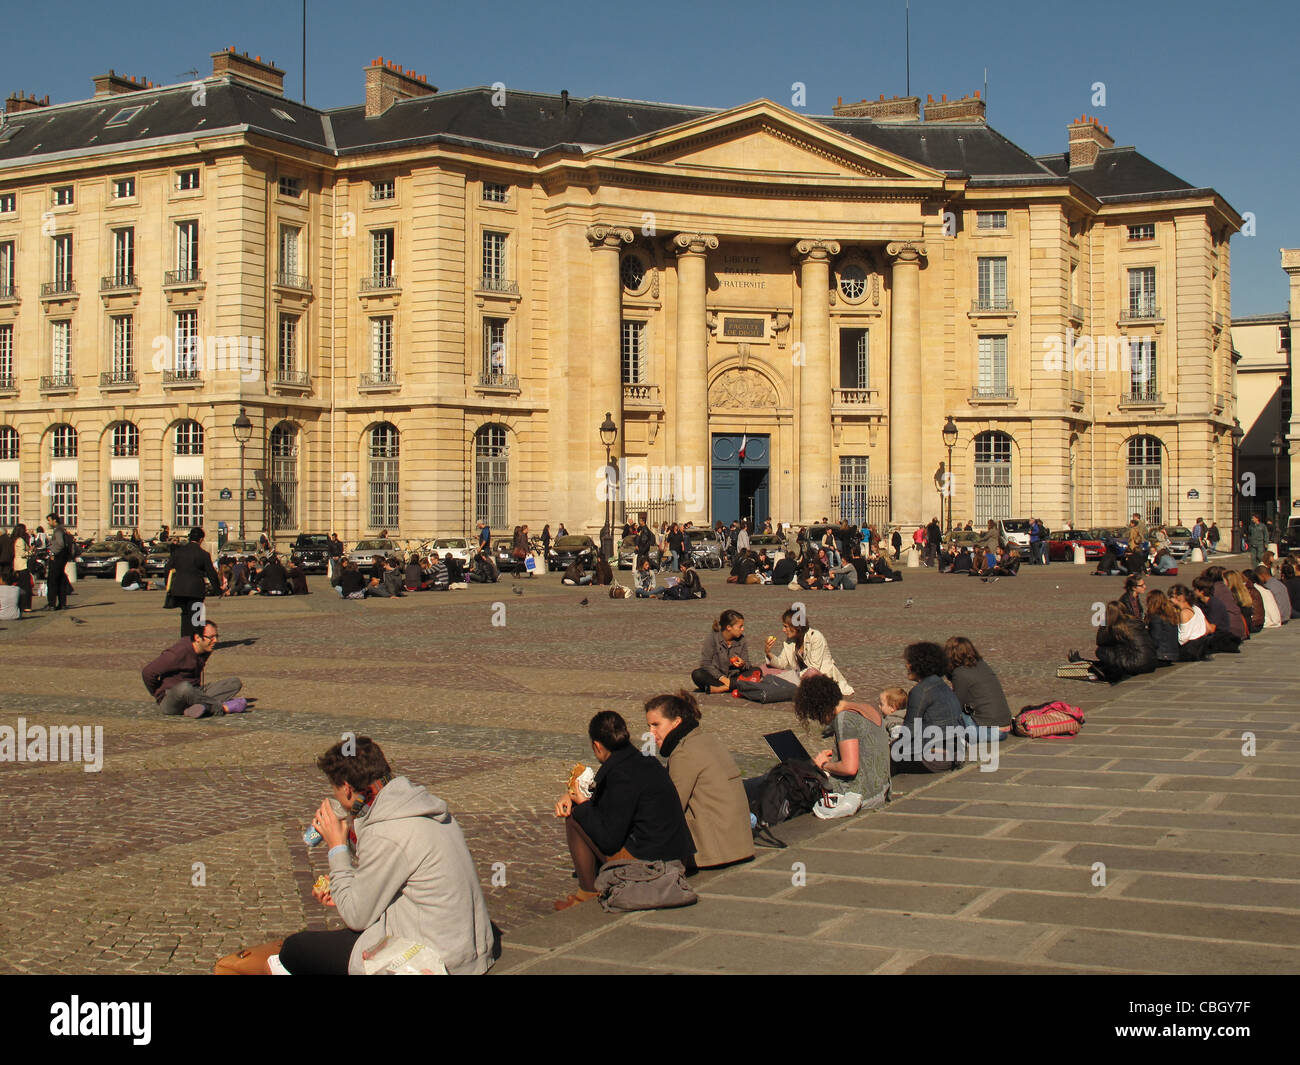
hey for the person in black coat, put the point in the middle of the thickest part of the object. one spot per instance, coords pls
(190, 573)
(274, 579)
(633, 812)
(1124, 647)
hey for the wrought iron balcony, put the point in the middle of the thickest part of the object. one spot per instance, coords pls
(295, 281)
(1141, 394)
(115, 379)
(59, 382)
(8, 293)
(55, 289)
(185, 377)
(992, 305)
(292, 379)
(379, 283)
(181, 278)
(119, 283)
(385, 380)
(8, 384)
(1141, 312)
(498, 284)
(995, 394)
(499, 380)
(1076, 312)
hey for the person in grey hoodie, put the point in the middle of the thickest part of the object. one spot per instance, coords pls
(413, 878)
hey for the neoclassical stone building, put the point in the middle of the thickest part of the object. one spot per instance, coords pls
(427, 303)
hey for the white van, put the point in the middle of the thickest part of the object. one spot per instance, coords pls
(1015, 531)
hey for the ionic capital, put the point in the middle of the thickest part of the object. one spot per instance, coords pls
(694, 243)
(818, 251)
(904, 251)
(608, 237)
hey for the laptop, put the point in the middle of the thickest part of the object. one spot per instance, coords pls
(786, 746)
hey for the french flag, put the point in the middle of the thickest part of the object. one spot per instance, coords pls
(744, 441)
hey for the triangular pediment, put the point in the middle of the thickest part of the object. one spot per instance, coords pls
(763, 138)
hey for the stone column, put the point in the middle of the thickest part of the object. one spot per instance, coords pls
(814, 369)
(691, 405)
(605, 347)
(907, 482)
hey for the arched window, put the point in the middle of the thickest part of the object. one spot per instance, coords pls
(284, 477)
(126, 441)
(8, 442)
(189, 438)
(385, 477)
(992, 477)
(491, 476)
(853, 282)
(1145, 479)
(64, 442)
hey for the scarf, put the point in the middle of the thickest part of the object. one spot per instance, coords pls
(677, 735)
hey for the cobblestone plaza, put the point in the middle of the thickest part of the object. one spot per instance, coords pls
(187, 844)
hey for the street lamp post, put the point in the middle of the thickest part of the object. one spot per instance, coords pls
(1278, 444)
(950, 441)
(1237, 436)
(608, 435)
(243, 430)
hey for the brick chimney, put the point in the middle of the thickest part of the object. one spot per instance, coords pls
(1087, 138)
(115, 84)
(896, 109)
(18, 102)
(966, 109)
(252, 72)
(386, 83)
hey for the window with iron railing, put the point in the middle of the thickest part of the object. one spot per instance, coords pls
(63, 442)
(286, 362)
(188, 438)
(125, 441)
(8, 444)
(62, 281)
(494, 347)
(7, 267)
(186, 354)
(381, 348)
(1142, 292)
(383, 252)
(494, 258)
(123, 347)
(634, 353)
(7, 355)
(61, 349)
(992, 380)
(187, 249)
(385, 477)
(1142, 378)
(992, 280)
(855, 368)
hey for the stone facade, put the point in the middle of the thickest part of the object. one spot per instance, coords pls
(429, 332)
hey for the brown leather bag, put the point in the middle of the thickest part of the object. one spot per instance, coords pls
(250, 962)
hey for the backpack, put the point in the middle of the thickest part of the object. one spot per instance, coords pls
(679, 591)
(1048, 719)
(789, 789)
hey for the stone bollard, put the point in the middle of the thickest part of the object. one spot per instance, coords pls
(70, 571)
(1080, 555)
(1274, 549)
(120, 571)
(1196, 555)
(914, 558)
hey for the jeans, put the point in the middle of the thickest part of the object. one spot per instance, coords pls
(212, 695)
(675, 561)
(985, 733)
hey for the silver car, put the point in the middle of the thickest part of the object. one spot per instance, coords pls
(367, 551)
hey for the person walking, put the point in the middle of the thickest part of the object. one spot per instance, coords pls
(1212, 537)
(187, 570)
(1256, 540)
(61, 551)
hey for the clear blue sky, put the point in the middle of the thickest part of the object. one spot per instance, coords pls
(1206, 90)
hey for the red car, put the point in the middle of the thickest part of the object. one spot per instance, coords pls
(1060, 545)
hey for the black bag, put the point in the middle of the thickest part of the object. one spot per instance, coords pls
(678, 591)
(789, 789)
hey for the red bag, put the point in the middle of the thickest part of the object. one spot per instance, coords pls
(1049, 719)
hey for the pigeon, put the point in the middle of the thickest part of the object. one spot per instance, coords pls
(908, 601)
(76, 621)
(516, 589)
(585, 602)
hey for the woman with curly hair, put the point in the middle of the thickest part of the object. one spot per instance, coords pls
(859, 761)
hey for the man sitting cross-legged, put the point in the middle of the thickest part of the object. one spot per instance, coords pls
(175, 679)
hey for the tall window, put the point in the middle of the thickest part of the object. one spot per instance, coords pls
(8, 443)
(187, 503)
(286, 360)
(1142, 292)
(1145, 481)
(634, 353)
(383, 252)
(992, 477)
(61, 351)
(124, 504)
(63, 442)
(189, 438)
(187, 343)
(6, 269)
(993, 284)
(63, 501)
(126, 441)
(494, 347)
(385, 479)
(993, 366)
(855, 362)
(284, 477)
(381, 348)
(9, 508)
(63, 262)
(1142, 360)
(491, 476)
(7, 355)
(124, 255)
(494, 257)
(187, 250)
(855, 488)
(289, 238)
(123, 347)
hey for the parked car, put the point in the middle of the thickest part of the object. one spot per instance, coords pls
(234, 551)
(102, 556)
(502, 546)
(768, 542)
(568, 548)
(963, 538)
(1060, 545)
(39, 559)
(155, 562)
(1290, 541)
(368, 551)
(1015, 532)
(627, 554)
(313, 551)
(460, 548)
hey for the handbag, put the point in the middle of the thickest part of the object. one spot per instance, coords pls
(250, 962)
(628, 884)
(1050, 719)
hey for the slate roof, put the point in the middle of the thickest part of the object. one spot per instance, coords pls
(530, 124)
